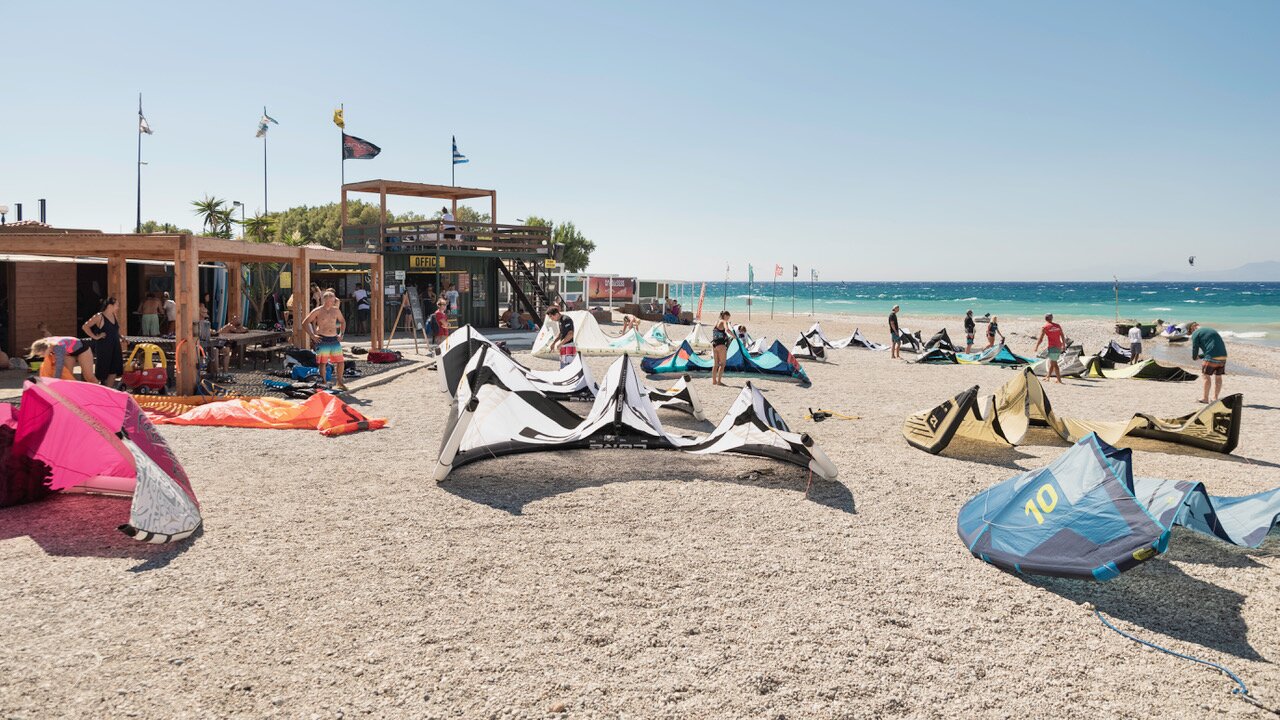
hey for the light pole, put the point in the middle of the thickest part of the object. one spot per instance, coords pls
(238, 204)
(4, 210)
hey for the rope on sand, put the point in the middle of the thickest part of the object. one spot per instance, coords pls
(1242, 690)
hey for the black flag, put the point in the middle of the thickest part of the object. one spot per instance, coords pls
(353, 148)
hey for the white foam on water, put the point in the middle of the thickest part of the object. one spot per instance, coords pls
(1255, 335)
(1162, 309)
(1190, 301)
(1149, 292)
(968, 299)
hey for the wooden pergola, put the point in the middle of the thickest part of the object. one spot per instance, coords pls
(383, 188)
(186, 252)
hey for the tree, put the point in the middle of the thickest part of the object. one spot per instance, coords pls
(577, 249)
(216, 215)
(151, 226)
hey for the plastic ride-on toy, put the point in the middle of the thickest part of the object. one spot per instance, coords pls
(146, 370)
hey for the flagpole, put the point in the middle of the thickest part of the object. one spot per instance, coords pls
(453, 166)
(773, 294)
(812, 277)
(793, 291)
(264, 165)
(750, 289)
(343, 109)
(138, 227)
(725, 304)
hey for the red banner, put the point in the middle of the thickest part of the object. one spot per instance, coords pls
(598, 288)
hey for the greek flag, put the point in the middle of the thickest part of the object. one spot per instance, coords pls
(262, 123)
(458, 158)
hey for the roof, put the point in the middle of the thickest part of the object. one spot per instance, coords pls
(421, 190)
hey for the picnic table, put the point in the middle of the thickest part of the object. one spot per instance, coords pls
(237, 341)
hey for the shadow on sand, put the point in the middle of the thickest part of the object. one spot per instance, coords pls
(1163, 599)
(80, 525)
(512, 494)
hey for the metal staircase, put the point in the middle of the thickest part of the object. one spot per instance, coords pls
(533, 296)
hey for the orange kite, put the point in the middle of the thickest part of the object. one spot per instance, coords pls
(321, 411)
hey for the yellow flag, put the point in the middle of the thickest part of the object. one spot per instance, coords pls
(337, 119)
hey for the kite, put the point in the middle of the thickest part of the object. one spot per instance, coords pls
(322, 411)
(811, 345)
(941, 340)
(775, 362)
(1086, 516)
(1144, 370)
(500, 413)
(591, 340)
(97, 440)
(1021, 403)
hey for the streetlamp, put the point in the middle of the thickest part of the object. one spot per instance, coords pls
(238, 204)
(4, 210)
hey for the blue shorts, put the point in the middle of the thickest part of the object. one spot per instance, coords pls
(895, 336)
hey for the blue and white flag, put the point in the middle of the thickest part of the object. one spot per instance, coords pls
(262, 123)
(458, 158)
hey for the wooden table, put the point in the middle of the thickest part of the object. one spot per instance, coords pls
(237, 341)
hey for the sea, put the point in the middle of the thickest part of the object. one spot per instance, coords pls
(1241, 311)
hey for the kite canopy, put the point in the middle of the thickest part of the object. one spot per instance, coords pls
(95, 439)
(941, 340)
(322, 411)
(858, 340)
(811, 345)
(1021, 403)
(775, 362)
(1113, 353)
(1142, 370)
(1086, 516)
(591, 340)
(572, 382)
(999, 355)
(500, 413)
(911, 341)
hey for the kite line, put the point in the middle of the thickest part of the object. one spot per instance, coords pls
(1242, 690)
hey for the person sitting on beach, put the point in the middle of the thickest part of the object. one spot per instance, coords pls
(630, 322)
(1206, 343)
(1135, 344)
(742, 335)
(993, 329)
(970, 329)
(1051, 331)
(60, 353)
(895, 335)
(720, 347)
(325, 325)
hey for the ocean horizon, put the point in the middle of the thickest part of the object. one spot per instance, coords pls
(1248, 311)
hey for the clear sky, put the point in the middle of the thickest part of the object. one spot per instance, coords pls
(885, 140)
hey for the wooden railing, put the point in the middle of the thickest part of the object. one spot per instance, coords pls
(433, 235)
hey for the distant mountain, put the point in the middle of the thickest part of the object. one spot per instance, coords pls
(1253, 272)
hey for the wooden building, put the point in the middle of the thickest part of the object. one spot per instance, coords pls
(483, 261)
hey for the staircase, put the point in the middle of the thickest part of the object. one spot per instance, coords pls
(533, 297)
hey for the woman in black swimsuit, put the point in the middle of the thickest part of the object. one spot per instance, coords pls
(108, 355)
(720, 346)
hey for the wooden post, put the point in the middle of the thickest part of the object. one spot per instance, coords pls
(301, 298)
(344, 207)
(378, 303)
(118, 288)
(235, 291)
(186, 278)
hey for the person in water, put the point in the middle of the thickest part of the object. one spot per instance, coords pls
(720, 336)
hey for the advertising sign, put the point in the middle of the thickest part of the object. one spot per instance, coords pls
(599, 288)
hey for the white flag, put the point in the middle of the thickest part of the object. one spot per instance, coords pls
(143, 127)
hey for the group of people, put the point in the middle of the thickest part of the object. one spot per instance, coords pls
(1206, 345)
(159, 315)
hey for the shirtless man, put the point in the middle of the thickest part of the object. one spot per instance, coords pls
(326, 325)
(233, 327)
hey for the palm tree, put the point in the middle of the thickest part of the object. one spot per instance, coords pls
(212, 211)
(259, 228)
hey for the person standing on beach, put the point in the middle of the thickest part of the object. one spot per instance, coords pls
(895, 336)
(1135, 344)
(440, 331)
(993, 329)
(150, 310)
(325, 325)
(564, 341)
(1051, 331)
(970, 329)
(451, 295)
(108, 348)
(1206, 343)
(720, 335)
(171, 316)
(361, 296)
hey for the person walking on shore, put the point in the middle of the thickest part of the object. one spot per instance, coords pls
(970, 329)
(564, 341)
(895, 336)
(993, 329)
(108, 350)
(1135, 344)
(1052, 332)
(326, 325)
(720, 335)
(1207, 344)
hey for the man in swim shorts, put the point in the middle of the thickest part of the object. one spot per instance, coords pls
(326, 325)
(1207, 345)
(1052, 331)
(895, 334)
(970, 328)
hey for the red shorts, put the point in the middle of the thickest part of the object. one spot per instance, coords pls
(1213, 367)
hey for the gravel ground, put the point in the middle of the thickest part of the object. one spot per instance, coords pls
(334, 579)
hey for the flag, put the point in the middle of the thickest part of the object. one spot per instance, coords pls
(353, 148)
(143, 127)
(777, 271)
(262, 123)
(1117, 286)
(751, 273)
(458, 158)
(813, 275)
(795, 272)
(337, 119)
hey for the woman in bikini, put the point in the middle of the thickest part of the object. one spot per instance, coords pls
(720, 335)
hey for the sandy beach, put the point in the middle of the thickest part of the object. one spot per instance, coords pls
(334, 579)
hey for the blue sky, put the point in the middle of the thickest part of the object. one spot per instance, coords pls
(912, 140)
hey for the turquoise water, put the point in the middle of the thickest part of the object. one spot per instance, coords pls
(1243, 311)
